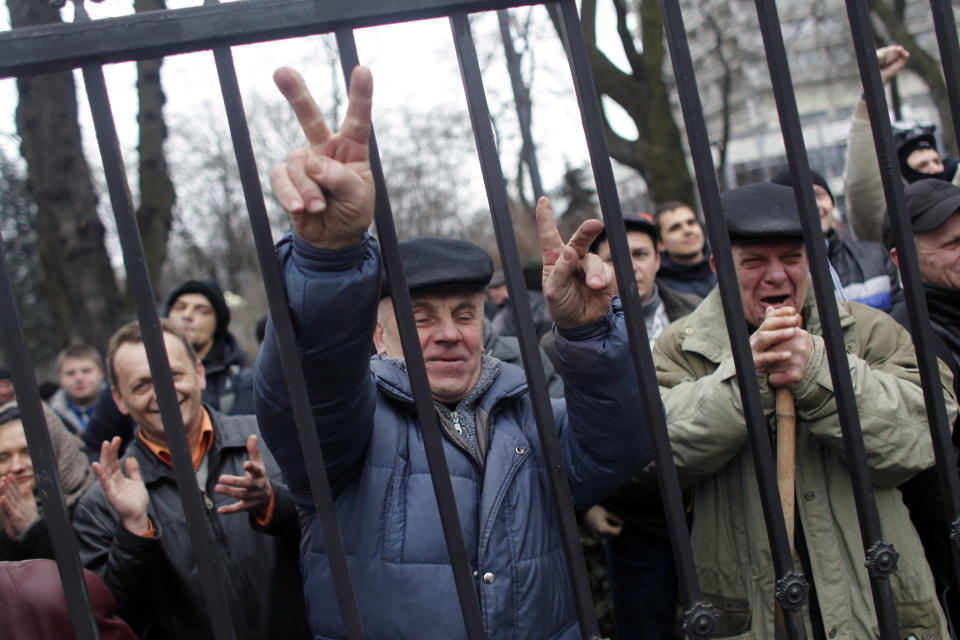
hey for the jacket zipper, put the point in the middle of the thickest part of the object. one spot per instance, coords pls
(456, 422)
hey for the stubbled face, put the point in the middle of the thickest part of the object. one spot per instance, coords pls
(450, 329)
(938, 252)
(825, 207)
(925, 161)
(81, 379)
(15, 456)
(195, 316)
(646, 261)
(135, 395)
(770, 274)
(681, 235)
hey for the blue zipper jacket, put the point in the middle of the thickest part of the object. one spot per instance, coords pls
(365, 417)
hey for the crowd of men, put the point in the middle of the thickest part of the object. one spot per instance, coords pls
(115, 465)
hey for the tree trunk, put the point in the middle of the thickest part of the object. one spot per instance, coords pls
(658, 152)
(155, 214)
(81, 287)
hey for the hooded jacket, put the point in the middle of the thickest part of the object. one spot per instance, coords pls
(708, 436)
(374, 453)
(156, 581)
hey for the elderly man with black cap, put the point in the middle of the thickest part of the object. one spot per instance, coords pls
(364, 410)
(708, 435)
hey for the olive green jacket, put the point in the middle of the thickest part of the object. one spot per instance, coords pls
(709, 440)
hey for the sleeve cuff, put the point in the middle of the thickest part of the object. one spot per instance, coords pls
(265, 520)
(311, 258)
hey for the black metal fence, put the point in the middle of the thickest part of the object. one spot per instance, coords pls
(89, 45)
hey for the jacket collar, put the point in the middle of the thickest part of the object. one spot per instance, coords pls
(705, 329)
(394, 382)
(227, 434)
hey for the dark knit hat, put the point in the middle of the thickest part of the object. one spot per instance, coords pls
(633, 222)
(930, 203)
(212, 292)
(761, 212)
(4, 373)
(784, 177)
(910, 137)
(430, 263)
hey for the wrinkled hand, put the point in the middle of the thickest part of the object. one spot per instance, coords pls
(781, 347)
(578, 286)
(18, 509)
(891, 59)
(127, 495)
(327, 186)
(602, 523)
(252, 490)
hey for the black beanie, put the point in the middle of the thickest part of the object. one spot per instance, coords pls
(212, 292)
(785, 178)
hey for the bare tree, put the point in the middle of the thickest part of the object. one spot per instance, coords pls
(83, 293)
(643, 93)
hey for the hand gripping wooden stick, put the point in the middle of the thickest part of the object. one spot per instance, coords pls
(786, 456)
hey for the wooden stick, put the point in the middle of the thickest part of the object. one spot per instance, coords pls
(786, 456)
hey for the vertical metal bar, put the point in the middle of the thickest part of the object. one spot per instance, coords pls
(521, 97)
(142, 292)
(913, 291)
(44, 462)
(523, 319)
(792, 587)
(292, 370)
(945, 26)
(700, 620)
(417, 371)
(856, 455)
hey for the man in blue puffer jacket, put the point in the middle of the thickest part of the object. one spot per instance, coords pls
(365, 417)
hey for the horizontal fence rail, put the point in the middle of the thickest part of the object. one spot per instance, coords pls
(88, 45)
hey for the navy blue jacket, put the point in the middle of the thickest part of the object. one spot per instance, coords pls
(375, 458)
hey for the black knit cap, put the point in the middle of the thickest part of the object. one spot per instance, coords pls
(930, 203)
(212, 292)
(4, 373)
(633, 222)
(784, 177)
(761, 212)
(430, 263)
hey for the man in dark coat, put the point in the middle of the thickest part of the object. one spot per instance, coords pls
(132, 529)
(862, 269)
(934, 209)
(199, 309)
(643, 580)
(684, 255)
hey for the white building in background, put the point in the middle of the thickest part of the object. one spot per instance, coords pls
(824, 73)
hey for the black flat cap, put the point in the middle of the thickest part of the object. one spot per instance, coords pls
(633, 222)
(430, 263)
(761, 212)
(930, 203)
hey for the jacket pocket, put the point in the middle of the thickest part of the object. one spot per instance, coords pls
(734, 616)
(919, 619)
(394, 515)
